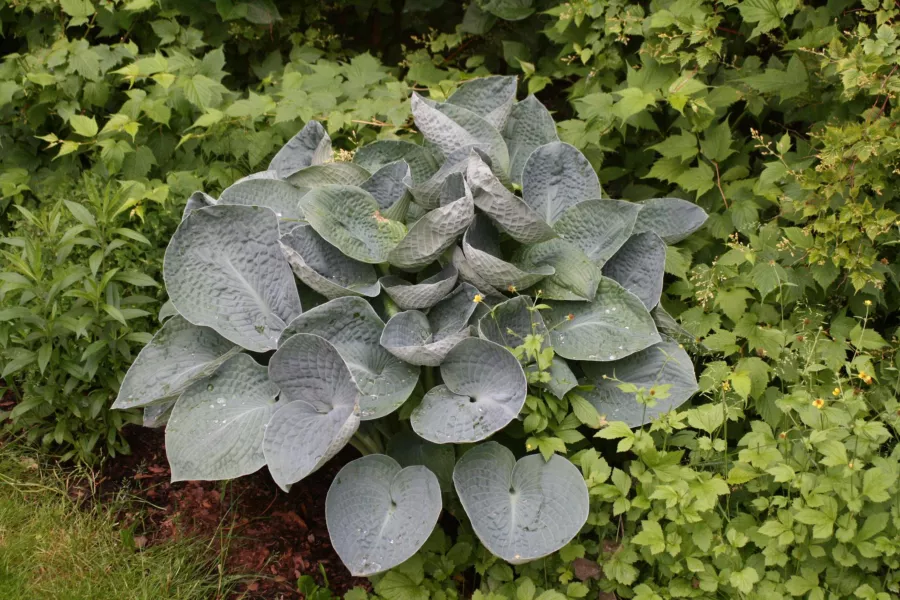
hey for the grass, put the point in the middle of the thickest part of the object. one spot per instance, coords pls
(52, 548)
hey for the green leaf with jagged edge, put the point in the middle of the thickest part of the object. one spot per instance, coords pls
(575, 276)
(436, 231)
(311, 146)
(324, 268)
(491, 98)
(639, 267)
(557, 176)
(480, 245)
(598, 227)
(450, 127)
(278, 195)
(409, 449)
(350, 219)
(388, 187)
(197, 200)
(421, 339)
(425, 294)
(665, 363)
(352, 326)
(507, 210)
(510, 322)
(318, 410)
(379, 514)
(224, 269)
(178, 355)
(528, 127)
(374, 156)
(483, 391)
(612, 326)
(335, 173)
(521, 510)
(217, 426)
(672, 219)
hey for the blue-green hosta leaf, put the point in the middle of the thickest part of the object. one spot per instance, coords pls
(350, 219)
(195, 201)
(428, 193)
(575, 275)
(480, 245)
(278, 195)
(613, 326)
(562, 379)
(450, 127)
(324, 268)
(408, 449)
(507, 210)
(374, 156)
(311, 146)
(672, 219)
(379, 514)
(422, 339)
(521, 510)
(157, 415)
(639, 267)
(388, 187)
(224, 269)
(424, 294)
(318, 410)
(468, 274)
(529, 126)
(667, 325)
(598, 227)
(510, 322)
(491, 98)
(352, 326)
(556, 177)
(217, 426)
(178, 355)
(483, 391)
(335, 173)
(665, 363)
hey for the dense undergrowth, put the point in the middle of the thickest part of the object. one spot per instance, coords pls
(777, 118)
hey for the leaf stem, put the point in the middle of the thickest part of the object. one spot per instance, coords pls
(428, 379)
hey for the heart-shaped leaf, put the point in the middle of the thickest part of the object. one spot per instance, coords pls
(665, 363)
(324, 268)
(408, 449)
(424, 294)
(224, 269)
(278, 195)
(612, 326)
(311, 146)
(319, 408)
(388, 187)
(672, 219)
(336, 173)
(575, 276)
(379, 514)
(529, 126)
(639, 267)
(195, 201)
(217, 426)
(178, 355)
(556, 177)
(521, 510)
(350, 219)
(598, 227)
(510, 322)
(491, 98)
(374, 156)
(484, 390)
(483, 253)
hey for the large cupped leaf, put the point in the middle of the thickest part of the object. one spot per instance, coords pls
(507, 210)
(556, 177)
(424, 294)
(195, 201)
(278, 195)
(422, 339)
(528, 127)
(482, 250)
(336, 173)
(324, 268)
(427, 193)
(484, 390)
(575, 275)
(350, 219)
(351, 325)
(491, 98)
(612, 326)
(639, 267)
(319, 408)
(665, 363)
(510, 322)
(468, 274)
(311, 146)
(379, 514)
(672, 219)
(217, 426)
(408, 449)
(388, 187)
(374, 156)
(598, 227)
(179, 354)
(521, 510)
(224, 269)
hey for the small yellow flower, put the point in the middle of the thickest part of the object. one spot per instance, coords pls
(511, 288)
(836, 392)
(570, 317)
(818, 403)
(726, 386)
(528, 446)
(478, 298)
(865, 377)
(782, 435)
(868, 303)
(850, 465)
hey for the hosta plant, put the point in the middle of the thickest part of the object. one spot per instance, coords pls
(433, 297)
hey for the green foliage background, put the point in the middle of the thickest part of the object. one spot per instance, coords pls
(777, 117)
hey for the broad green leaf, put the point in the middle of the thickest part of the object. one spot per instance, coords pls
(280, 196)
(529, 126)
(311, 146)
(598, 227)
(334, 173)
(378, 154)
(388, 186)
(575, 276)
(672, 219)
(521, 510)
(427, 193)
(214, 279)
(638, 266)
(379, 514)
(468, 274)
(562, 380)
(557, 176)
(424, 294)
(408, 449)
(509, 10)
(482, 251)
(491, 98)
(217, 426)
(84, 126)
